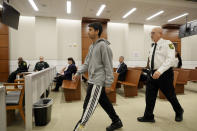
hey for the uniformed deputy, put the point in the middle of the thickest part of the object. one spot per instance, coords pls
(22, 67)
(162, 57)
(41, 64)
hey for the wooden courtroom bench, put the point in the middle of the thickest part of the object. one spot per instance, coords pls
(118, 85)
(193, 75)
(181, 80)
(15, 99)
(131, 82)
(114, 69)
(72, 90)
(161, 95)
(112, 95)
(141, 83)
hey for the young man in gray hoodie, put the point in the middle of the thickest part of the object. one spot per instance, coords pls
(99, 65)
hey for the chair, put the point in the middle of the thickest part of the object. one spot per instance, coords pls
(14, 97)
(112, 95)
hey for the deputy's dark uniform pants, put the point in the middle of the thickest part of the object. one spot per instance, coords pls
(96, 94)
(165, 84)
(12, 76)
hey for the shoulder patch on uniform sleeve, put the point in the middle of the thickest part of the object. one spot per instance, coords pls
(24, 63)
(171, 46)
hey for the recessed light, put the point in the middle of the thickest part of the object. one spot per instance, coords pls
(68, 5)
(100, 10)
(156, 14)
(33, 5)
(173, 19)
(128, 13)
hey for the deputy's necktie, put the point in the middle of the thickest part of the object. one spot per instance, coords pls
(153, 56)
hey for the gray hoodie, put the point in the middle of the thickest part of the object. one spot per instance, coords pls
(98, 63)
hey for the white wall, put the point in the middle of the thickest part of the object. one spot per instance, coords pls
(69, 39)
(58, 39)
(46, 37)
(22, 41)
(134, 44)
(130, 40)
(189, 51)
(116, 36)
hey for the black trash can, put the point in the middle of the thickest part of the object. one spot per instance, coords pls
(42, 111)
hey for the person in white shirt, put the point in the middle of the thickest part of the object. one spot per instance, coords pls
(161, 61)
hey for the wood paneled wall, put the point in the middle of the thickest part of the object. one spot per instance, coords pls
(86, 42)
(4, 53)
(171, 32)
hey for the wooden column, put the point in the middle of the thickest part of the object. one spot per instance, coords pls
(86, 42)
(171, 32)
(4, 53)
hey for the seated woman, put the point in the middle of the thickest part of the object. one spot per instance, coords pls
(66, 75)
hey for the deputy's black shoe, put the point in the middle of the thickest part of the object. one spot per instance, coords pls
(179, 117)
(143, 119)
(114, 126)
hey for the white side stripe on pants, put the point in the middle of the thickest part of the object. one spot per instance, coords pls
(93, 101)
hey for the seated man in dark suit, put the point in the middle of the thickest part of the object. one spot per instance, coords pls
(122, 69)
(41, 64)
(67, 75)
(22, 67)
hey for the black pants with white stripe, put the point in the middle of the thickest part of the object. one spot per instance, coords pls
(96, 94)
